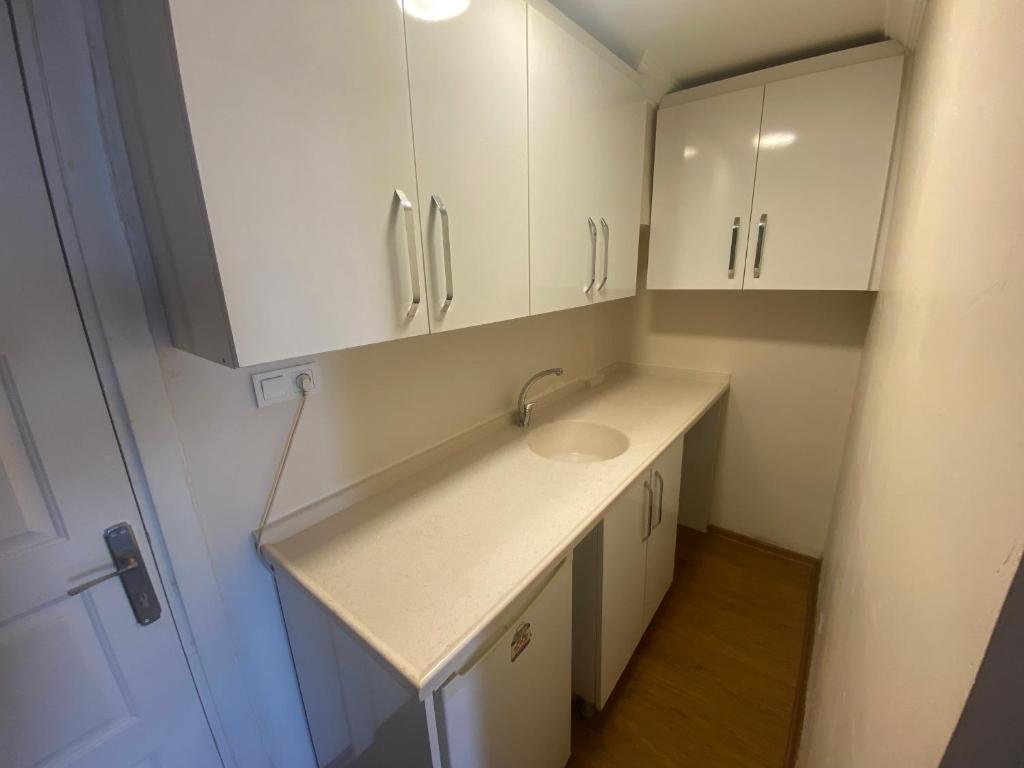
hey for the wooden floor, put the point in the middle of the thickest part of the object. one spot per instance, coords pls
(714, 681)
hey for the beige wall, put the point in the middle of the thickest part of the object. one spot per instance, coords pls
(929, 516)
(378, 405)
(794, 358)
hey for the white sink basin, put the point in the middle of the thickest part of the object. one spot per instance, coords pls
(577, 442)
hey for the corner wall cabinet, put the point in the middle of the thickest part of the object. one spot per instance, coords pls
(587, 129)
(316, 176)
(779, 185)
(621, 572)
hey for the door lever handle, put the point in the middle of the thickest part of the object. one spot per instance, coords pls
(130, 565)
(131, 569)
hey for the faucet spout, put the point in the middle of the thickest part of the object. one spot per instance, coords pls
(523, 408)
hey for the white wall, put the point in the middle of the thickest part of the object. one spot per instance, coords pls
(378, 405)
(929, 516)
(794, 358)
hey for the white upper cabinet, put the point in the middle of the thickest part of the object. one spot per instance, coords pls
(318, 175)
(299, 117)
(468, 78)
(705, 158)
(620, 126)
(587, 122)
(822, 167)
(783, 180)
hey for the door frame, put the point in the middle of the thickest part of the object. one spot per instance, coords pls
(107, 259)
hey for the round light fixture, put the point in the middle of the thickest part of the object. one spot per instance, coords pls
(435, 10)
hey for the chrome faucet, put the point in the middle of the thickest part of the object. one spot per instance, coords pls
(524, 409)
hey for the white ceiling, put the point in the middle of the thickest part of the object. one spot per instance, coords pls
(684, 42)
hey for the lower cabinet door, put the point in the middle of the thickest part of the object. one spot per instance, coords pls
(666, 473)
(512, 707)
(622, 584)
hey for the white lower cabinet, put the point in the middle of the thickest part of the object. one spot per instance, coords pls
(621, 572)
(665, 482)
(512, 707)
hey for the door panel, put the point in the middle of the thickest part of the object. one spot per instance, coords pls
(822, 166)
(565, 101)
(299, 114)
(81, 683)
(622, 579)
(666, 473)
(468, 79)
(620, 164)
(705, 158)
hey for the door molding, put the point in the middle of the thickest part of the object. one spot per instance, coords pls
(105, 247)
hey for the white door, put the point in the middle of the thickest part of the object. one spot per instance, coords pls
(512, 708)
(822, 166)
(81, 683)
(705, 157)
(299, 113)
(619, 163)
(666, 473)
(468, 81)
(622, 583)
(565, 101)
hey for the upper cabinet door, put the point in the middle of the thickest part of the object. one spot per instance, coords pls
(565, 101)
(620, 126)
(823, 161)
(705, 158)
(299, 117)
(468, 78)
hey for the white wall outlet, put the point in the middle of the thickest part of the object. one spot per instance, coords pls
(280, 385)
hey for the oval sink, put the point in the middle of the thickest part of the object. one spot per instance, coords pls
(577, 442)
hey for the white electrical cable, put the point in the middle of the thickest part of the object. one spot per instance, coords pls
(304, 383)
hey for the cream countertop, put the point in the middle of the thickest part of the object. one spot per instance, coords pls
(421, 571)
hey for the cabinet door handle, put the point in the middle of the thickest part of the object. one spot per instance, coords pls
(604, 231)
(661, 497)
(732, 247)
(648, 511)
(410, 238)
(446, 242)
(762, 225)
(593, 256)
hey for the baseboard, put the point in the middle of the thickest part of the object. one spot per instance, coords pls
(796, 718)
(765, 546)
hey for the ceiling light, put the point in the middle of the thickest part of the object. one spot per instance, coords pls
(434, 10)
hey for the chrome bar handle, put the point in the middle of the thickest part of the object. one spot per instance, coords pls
(604, 231)
(648, 511)
(410, 237)
(593, 256)
(446, 242)
(661, 496)
(732, 247)
(762, 225)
